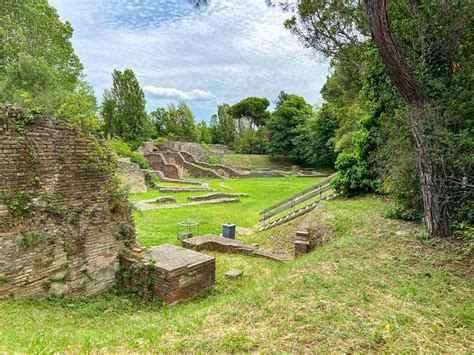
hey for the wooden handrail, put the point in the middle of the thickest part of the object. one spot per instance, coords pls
(299, 194)
(298, 202)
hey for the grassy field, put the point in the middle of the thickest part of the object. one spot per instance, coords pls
(366, 290)
(159, 226)
(257, 161)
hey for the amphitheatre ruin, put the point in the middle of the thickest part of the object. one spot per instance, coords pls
(67, 226)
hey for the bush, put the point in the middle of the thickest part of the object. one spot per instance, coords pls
(253, 142)
(211, 159)
(124, 150)
(396, 210)
(159, 141)
(139, 159)
(120, 148)
(354, 177)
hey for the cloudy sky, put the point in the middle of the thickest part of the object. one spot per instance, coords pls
(223, 53)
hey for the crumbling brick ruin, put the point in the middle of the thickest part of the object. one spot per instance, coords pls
(63, 218)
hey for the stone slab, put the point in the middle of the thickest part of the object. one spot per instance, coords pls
(234, 273)
(182, 189)
(216, 195)
(225, 245)
(171, 257)
(146, 205)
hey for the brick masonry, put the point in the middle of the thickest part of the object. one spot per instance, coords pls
(168, 273)
(63, 220)
(311, 232)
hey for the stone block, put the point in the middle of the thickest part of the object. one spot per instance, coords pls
(169, 273)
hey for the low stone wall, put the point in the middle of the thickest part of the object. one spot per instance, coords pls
(194, 170)
(224, 170)
(63, 218)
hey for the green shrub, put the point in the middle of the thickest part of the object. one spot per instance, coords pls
(124, 150)
(118, 146)
(211, 159)
(159, 141)
(134, 145)
(206, 146)
(354, 177)
(396, 210)
(136, 157)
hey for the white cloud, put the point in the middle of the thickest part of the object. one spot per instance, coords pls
(172, 93)
(230, 50)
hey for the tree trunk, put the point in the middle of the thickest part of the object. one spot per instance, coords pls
(436, 214)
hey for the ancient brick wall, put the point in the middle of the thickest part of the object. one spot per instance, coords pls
(63, 219)
(159, 163)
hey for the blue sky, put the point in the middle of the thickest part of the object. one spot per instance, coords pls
(223, 53)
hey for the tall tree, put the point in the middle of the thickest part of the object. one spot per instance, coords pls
(422, 112)
(287, 123)
(161, 122)
(123, 109)
(424, 65)
(108, 114)
(253, 109)
(33, 27)
(223, 127)
(80, 109)
(203, 133)
(182, 124)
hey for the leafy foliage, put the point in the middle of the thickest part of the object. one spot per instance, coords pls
(33, 28)
(252, 109)
(123, 109)
(223, 128)
(80, 109)
(287, 123)
(175, 122)
(124, 150)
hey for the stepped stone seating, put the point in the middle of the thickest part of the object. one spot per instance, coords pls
(168, 272)
(175, 163)
(232, 246)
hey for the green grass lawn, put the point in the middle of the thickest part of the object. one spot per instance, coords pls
(257, 161)
(159, 226)
(366, 290)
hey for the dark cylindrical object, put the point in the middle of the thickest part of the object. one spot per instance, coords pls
(228, 231)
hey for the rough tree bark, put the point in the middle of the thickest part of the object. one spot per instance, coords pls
(436, 214)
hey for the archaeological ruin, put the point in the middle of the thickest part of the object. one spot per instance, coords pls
(66, 226)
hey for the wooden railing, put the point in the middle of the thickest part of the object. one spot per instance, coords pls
(296, 205)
